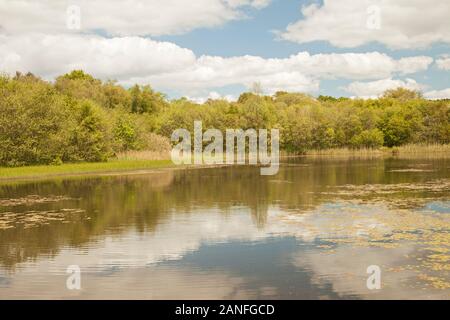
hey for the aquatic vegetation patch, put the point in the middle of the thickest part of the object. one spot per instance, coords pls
(412, 170)
(32, 200)
(401, 195)
(379, 225)
(32, 219)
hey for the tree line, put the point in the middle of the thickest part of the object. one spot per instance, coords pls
(79, 118)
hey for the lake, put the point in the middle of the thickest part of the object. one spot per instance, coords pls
(310, 232)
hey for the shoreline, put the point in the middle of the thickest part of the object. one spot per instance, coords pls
(142, 166)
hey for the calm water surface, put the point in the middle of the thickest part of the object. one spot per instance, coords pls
(309, 232)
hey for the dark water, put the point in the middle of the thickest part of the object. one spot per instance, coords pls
(309, 232)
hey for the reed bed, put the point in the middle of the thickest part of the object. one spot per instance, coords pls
(406, 151)
(144, 155)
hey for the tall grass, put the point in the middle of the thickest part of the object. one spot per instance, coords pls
(423, 148)
(346, 152)
(406, 151)
(424, 151)
(144, 155)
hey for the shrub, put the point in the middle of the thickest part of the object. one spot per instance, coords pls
(368, 139)
(33, 119)
(89, 136)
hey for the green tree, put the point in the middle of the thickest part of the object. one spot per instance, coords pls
(402, 94)
(145, 100)
(33, 119)
(89, 137)
(373, 138)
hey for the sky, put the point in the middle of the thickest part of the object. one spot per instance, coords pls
(204, 49)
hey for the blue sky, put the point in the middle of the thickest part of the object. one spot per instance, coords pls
(256, 35)
(219, 48)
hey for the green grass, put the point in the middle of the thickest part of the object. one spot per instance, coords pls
(82, 168)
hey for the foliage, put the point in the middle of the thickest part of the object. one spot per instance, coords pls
(80, 118)
(89, 138)
(368, 139)
(33, 119)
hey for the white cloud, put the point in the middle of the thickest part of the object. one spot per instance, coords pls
(214, 72)
(214, 96)
(349, 23)
(370, 65)
(437, 94)
(258, 4)
(374, 89)
(167, 66)
(118, 17)
(415, 64)
(115, 58)
(301, 72)
(443, 62)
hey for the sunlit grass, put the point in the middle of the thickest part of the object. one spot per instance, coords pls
(82, 168)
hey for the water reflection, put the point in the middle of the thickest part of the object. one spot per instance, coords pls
(310, 232)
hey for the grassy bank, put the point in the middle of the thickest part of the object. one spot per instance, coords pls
(82, 168)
